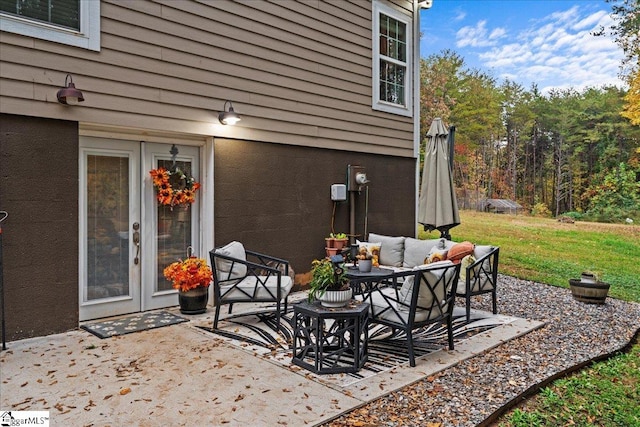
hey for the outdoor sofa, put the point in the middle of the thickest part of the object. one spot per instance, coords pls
(478, 272)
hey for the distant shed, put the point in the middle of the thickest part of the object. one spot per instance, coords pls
(502, 206)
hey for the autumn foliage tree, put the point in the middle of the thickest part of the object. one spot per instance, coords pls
(557, 149)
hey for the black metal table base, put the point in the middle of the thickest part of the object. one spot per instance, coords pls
(330, 340)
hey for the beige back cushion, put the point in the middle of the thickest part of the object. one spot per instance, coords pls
(391, 249)
(416, 250)
(425, 296)
(228, 270)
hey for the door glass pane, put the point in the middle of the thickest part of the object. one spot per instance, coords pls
(174, 228)
(107, 227)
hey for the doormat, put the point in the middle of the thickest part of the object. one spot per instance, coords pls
(133, 323)
(256, 332)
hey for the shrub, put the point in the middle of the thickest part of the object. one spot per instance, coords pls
(540, 209)
(574, 215)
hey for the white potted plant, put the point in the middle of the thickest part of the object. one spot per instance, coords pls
(329, 283)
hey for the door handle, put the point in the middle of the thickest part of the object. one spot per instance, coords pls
(136, 241)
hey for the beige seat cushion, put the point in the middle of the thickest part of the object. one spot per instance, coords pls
(248, 285)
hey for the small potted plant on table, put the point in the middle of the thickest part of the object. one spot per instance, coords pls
(329, 283)
(365, 261)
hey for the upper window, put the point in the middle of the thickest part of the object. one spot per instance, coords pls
(72, 22)
(392, 61)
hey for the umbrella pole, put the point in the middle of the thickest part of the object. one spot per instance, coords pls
(451, 139)
(4, 335)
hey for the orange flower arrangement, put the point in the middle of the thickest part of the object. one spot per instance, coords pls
(174, 187)
(189, 274)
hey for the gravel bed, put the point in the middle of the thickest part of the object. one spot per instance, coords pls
(468, 393)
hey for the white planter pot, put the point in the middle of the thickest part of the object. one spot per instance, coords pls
(335, 298)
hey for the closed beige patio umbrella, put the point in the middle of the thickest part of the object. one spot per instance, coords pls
(437, 208)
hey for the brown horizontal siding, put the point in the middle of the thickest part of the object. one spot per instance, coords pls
(195, 94)
(290, 68)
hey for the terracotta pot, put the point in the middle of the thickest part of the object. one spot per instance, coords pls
(332, 251)
(341, 243)
(193, 301)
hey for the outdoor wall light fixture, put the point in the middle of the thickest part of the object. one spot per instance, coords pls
(228, 117)
(69, 95)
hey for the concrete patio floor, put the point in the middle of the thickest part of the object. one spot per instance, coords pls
(183, 375)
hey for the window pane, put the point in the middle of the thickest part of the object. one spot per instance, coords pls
(60, 12)
(66, 13)
(393, 38)
(393, 27)
(174, 229)
(384, 25)
(392, 82)
(107, 225)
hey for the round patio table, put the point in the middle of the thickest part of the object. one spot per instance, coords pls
(377, 272)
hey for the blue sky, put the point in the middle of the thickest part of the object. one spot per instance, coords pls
(547, 42)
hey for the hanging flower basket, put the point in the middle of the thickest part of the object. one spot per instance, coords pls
(174, 187)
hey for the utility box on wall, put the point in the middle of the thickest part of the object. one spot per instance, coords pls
(338, 192)
(356, 178)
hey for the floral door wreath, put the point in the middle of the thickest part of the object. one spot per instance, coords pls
(174, 187)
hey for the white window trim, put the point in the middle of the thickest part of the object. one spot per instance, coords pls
(88, 37)
(377, 103)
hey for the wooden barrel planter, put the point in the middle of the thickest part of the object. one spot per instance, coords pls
(591, 293)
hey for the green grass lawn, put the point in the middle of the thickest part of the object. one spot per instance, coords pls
(546, 251)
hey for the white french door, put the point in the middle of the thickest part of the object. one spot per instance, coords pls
(126, 237)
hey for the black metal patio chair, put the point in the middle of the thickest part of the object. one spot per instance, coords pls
(480, 277)
(244, 276)
(397, 302)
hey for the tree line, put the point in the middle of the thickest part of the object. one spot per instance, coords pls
(565, 152)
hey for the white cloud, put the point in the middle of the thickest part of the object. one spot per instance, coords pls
(479, 36)
(556, 51)
(591, 20)
(565, 16)
(497, 33)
